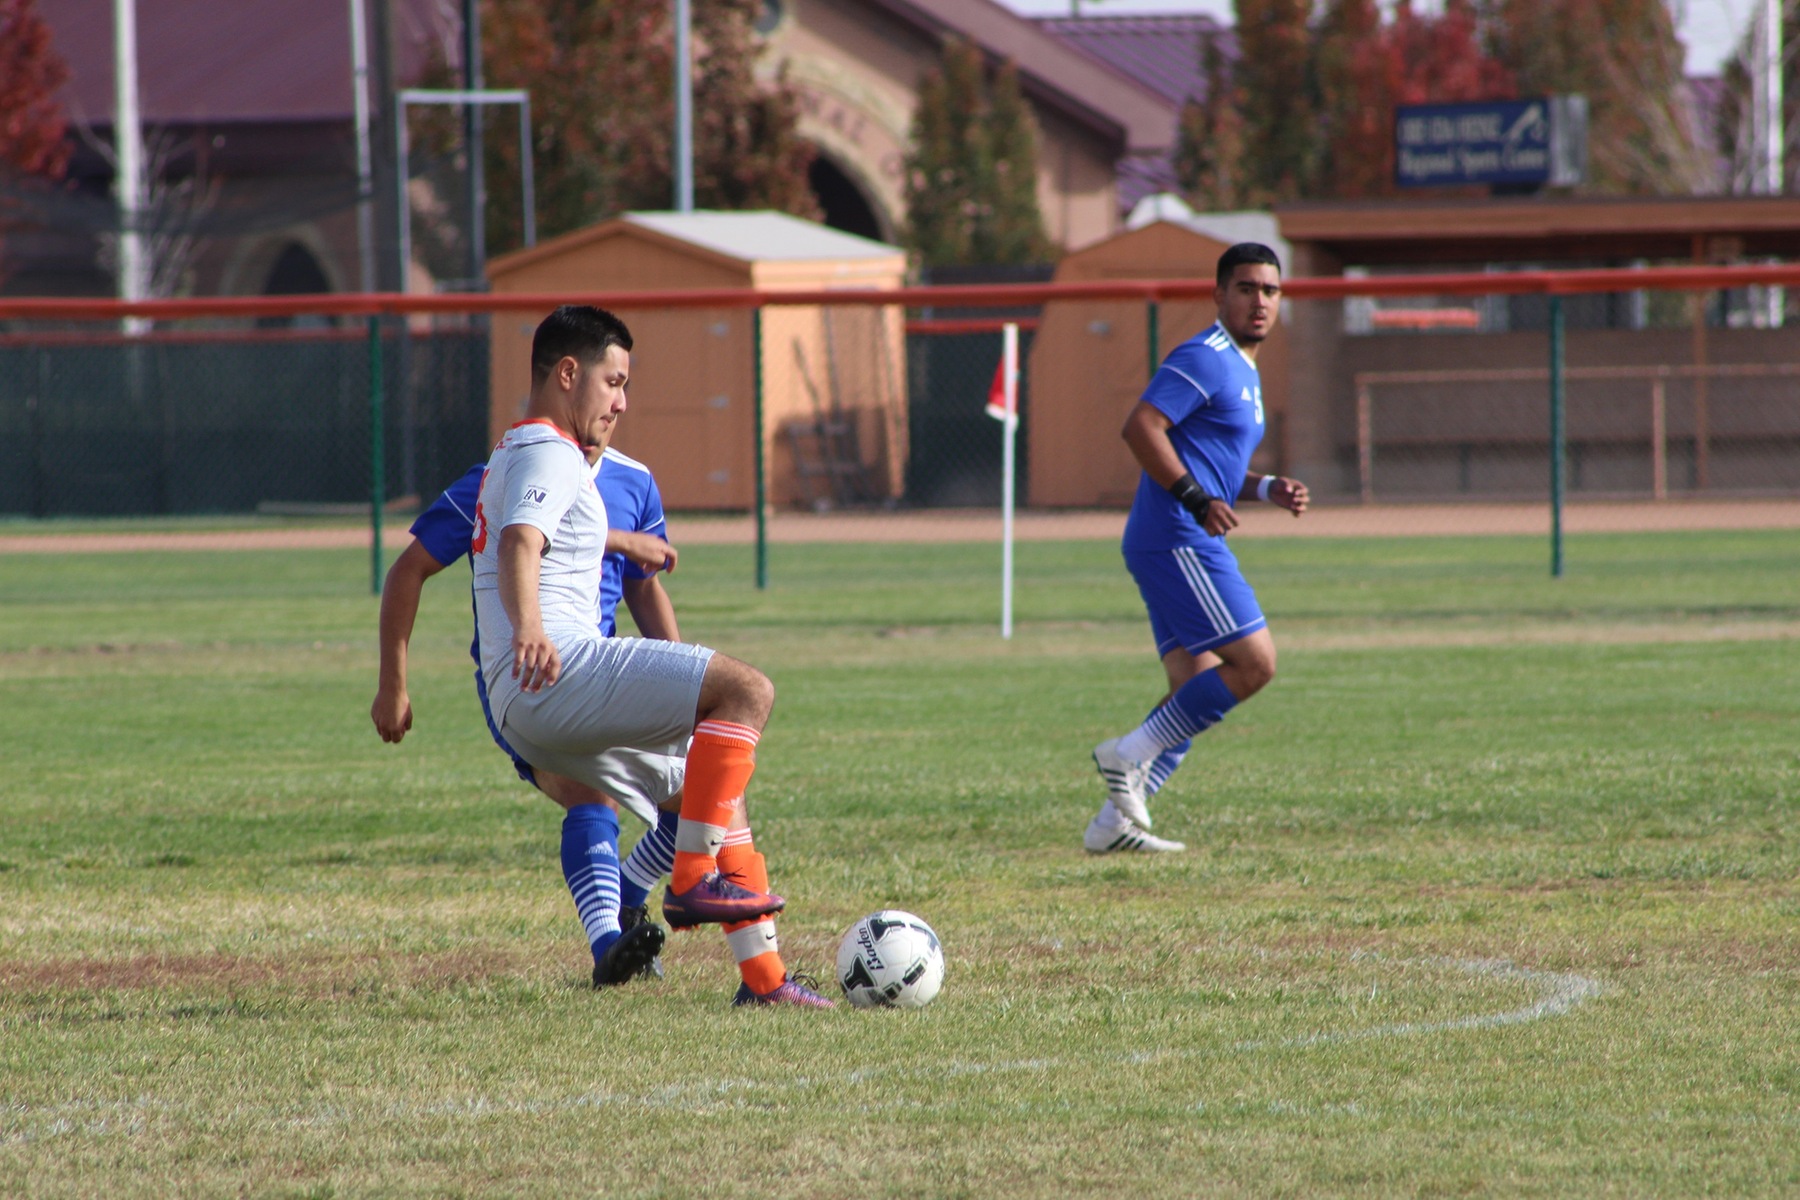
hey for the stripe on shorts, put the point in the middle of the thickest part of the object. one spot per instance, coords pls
(1213, 604)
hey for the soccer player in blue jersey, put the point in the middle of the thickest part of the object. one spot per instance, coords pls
(610, 897)
(1193, 433)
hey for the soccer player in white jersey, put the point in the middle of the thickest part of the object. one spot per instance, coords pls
(1193, 433)
(563, 695)
(610, 896)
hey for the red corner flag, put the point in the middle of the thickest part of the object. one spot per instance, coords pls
(996, 401)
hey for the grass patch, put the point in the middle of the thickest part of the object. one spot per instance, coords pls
(1492, 892)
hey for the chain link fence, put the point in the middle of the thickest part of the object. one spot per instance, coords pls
(875, 406)
(218, 420)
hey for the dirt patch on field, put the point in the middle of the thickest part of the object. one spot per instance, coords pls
(983, 525)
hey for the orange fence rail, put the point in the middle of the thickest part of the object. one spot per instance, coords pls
(1548, 283)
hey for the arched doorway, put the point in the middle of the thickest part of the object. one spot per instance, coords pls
(842, 200)
(295, 273)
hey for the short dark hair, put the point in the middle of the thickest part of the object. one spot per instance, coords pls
(578, 331)
(1245, 252)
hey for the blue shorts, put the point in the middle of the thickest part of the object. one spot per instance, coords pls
(1196, 596)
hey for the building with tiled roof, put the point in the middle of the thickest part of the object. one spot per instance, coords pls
(256, 97)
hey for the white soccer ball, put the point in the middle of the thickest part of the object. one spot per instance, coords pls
(890, 959)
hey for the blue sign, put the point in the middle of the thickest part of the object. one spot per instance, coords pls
(1508, 142)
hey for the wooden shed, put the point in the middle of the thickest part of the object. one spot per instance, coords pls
(1090, 359)
(834, 379)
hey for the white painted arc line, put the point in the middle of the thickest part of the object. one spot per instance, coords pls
(1563, 992)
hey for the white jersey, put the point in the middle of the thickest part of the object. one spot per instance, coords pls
(538, 476)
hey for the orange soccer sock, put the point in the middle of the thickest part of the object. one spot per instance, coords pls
(719, 765)
(753, 943)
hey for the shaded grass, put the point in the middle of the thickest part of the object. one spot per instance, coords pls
(247, 948)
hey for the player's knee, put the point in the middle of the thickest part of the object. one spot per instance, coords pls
(736, 691)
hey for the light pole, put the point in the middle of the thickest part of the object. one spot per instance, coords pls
(684, 110)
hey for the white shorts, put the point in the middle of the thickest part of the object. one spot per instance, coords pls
(618, 718)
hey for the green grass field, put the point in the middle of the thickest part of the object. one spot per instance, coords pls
(1492, 892)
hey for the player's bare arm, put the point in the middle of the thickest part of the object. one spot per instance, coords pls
(392, 710)
(1147, 433)
(646, 550)
(651, 609)
(1278, 490)
(536, 664)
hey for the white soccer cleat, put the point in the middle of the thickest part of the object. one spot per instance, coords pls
(1127, 782)
(1107, 837)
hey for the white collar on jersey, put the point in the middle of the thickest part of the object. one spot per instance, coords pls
(1248, 361)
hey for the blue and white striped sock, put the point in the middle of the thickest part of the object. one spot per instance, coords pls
(1164, 766)
(590, 861)
(1196, 706)
(649, 861)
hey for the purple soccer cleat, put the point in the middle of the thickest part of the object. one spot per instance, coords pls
(796, 990)
(715, 900)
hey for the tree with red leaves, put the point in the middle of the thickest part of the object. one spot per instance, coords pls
(1367, 68)
(34, 139)
(33, 131)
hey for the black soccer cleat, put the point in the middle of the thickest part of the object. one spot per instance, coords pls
(633, 951)
(629, 919)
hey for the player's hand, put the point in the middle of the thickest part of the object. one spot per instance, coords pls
(536, 665)
(1290, 494)
(646, 550)
(1221, 519)
(392, 714)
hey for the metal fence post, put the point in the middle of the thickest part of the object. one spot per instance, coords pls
(756, 420)
(1153, 318)
(1557, 437)
(377, 455)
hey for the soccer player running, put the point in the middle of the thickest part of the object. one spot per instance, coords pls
(563, 696)
(1193, 432)
(611, 898)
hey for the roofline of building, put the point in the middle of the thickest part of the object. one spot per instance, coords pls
(1104, 98)
(1534, 217)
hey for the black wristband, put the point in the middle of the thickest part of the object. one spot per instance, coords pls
(1188, 492)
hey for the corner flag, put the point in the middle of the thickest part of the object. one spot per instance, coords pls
(999, 403)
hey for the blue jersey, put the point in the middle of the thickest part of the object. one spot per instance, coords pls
(632, 503)
(1212, 396)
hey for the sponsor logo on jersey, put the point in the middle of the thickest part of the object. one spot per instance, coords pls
(535, 497)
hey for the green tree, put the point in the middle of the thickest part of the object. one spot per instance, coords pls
(971, 171)
(747, 151)
(600, 74)
(1275, 76)
(1210, 137)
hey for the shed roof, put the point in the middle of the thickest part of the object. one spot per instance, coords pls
(762, 236)
(727, 237)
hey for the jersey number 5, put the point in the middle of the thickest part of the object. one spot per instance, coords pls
(479, 542)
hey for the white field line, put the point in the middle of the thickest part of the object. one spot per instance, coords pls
(21, 1124)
